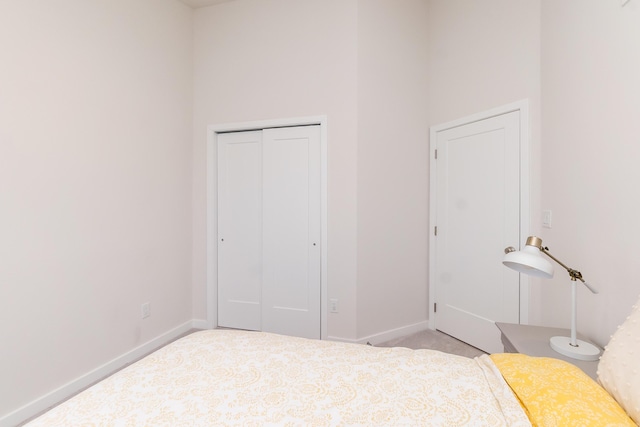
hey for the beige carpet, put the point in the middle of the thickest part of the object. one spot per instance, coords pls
(434, 340)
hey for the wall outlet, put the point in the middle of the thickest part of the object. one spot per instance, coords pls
(333, 305)
(146, 310)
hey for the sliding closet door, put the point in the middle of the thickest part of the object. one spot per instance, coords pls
(269, 230)
(240, 230)
(291, 231)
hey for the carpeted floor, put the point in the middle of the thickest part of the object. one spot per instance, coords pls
(434, 340)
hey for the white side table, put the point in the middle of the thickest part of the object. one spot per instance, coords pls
(534, 341)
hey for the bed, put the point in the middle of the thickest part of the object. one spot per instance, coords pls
(225, 377)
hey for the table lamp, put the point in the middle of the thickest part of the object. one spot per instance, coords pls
(530, 261)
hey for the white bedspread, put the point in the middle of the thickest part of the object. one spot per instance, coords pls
(226, 377)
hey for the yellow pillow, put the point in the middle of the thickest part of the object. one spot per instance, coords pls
(556, 393)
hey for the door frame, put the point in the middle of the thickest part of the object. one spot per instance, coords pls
(212, 207)
(523, 107)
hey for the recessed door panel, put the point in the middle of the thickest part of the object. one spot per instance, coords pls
(291, 244)
(240, 230)
(478, 215)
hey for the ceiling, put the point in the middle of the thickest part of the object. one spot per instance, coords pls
(202, 3)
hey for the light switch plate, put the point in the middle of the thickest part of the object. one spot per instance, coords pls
(546, 219)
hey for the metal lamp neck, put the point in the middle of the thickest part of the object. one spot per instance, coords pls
(574, 274)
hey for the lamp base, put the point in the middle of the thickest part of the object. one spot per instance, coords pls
(583, 350)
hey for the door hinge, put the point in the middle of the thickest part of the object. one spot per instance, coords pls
(436, 154)
(435, 230)
(435, 307)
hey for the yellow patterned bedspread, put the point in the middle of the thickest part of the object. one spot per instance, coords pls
(223, 377)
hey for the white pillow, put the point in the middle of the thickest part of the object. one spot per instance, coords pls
(619, 367)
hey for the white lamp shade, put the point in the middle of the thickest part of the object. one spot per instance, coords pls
(529, 261)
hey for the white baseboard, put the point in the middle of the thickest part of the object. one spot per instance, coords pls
(58, 395)
(386, 335)
(200, 324)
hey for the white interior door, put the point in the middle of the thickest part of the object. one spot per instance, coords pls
(240, 230)
(291, 237)
(269, 252)
(477, 216)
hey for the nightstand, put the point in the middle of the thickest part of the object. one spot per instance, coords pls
(534, 341)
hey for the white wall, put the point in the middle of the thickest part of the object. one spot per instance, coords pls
(273, 59)
(483, 55)
(103, 198)
(577, 62)
(95, 184)
(363, 64)
(393, 164)
(591, 149)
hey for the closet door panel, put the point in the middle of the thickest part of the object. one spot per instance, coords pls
(240, 230)
(291, 231)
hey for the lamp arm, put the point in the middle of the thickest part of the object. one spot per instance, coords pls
(574, 274)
